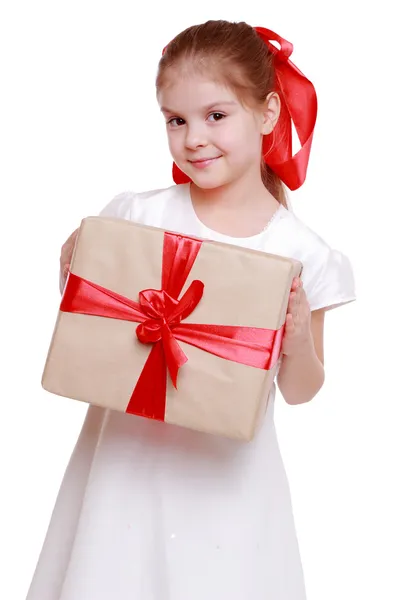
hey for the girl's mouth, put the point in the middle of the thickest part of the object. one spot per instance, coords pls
(202, 163)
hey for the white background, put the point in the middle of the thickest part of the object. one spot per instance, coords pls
(79, 124)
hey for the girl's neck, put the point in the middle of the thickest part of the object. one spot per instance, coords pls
(241, 209)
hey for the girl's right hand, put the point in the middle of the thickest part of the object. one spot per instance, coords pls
(66, 256)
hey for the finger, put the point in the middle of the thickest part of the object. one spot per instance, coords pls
(289, 323)
(296, 301)
(68, 247)
(293, 312)
(73, 235)
(296, 308)
(292, 300)
(70, 242)
(299, 292)
(303, 300)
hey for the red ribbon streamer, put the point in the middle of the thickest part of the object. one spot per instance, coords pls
(160, 315)
(298, 105)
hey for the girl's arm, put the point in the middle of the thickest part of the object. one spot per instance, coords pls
(301, 374)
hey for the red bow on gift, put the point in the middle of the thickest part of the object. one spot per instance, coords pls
(160, 315)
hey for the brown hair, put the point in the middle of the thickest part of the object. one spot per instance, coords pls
(231, 53)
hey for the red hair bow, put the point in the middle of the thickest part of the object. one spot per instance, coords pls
(298, 106)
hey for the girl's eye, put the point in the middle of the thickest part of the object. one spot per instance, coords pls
(217, 116)
(176, 122)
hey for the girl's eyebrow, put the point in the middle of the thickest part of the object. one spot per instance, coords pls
(164, 109)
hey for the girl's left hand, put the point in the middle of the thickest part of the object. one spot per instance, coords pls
(66, 255)
(298, 333)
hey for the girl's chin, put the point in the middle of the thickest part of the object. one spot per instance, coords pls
(206, 179)
(208, 183)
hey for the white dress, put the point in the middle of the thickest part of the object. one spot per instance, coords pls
(149, 511)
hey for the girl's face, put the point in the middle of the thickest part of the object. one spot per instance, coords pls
(212, 137)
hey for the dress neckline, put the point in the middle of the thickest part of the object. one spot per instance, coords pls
(280, 211)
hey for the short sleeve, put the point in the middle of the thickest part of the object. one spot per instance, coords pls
(329, 280)
(120, 207)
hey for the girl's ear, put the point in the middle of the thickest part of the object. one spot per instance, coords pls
(271, 112)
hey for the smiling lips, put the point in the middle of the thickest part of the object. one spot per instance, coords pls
(202, 163)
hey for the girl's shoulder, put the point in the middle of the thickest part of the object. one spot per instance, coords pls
(294, 236)
(142, 207)
(328, 276)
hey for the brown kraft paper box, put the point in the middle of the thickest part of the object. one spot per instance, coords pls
(99, 360)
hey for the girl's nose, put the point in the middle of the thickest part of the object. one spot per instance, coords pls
(195, 138)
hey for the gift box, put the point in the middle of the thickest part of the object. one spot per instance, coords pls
(170, 327)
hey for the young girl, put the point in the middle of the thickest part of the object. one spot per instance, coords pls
(149, 511)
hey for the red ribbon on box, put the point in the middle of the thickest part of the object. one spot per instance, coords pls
(160, 315)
